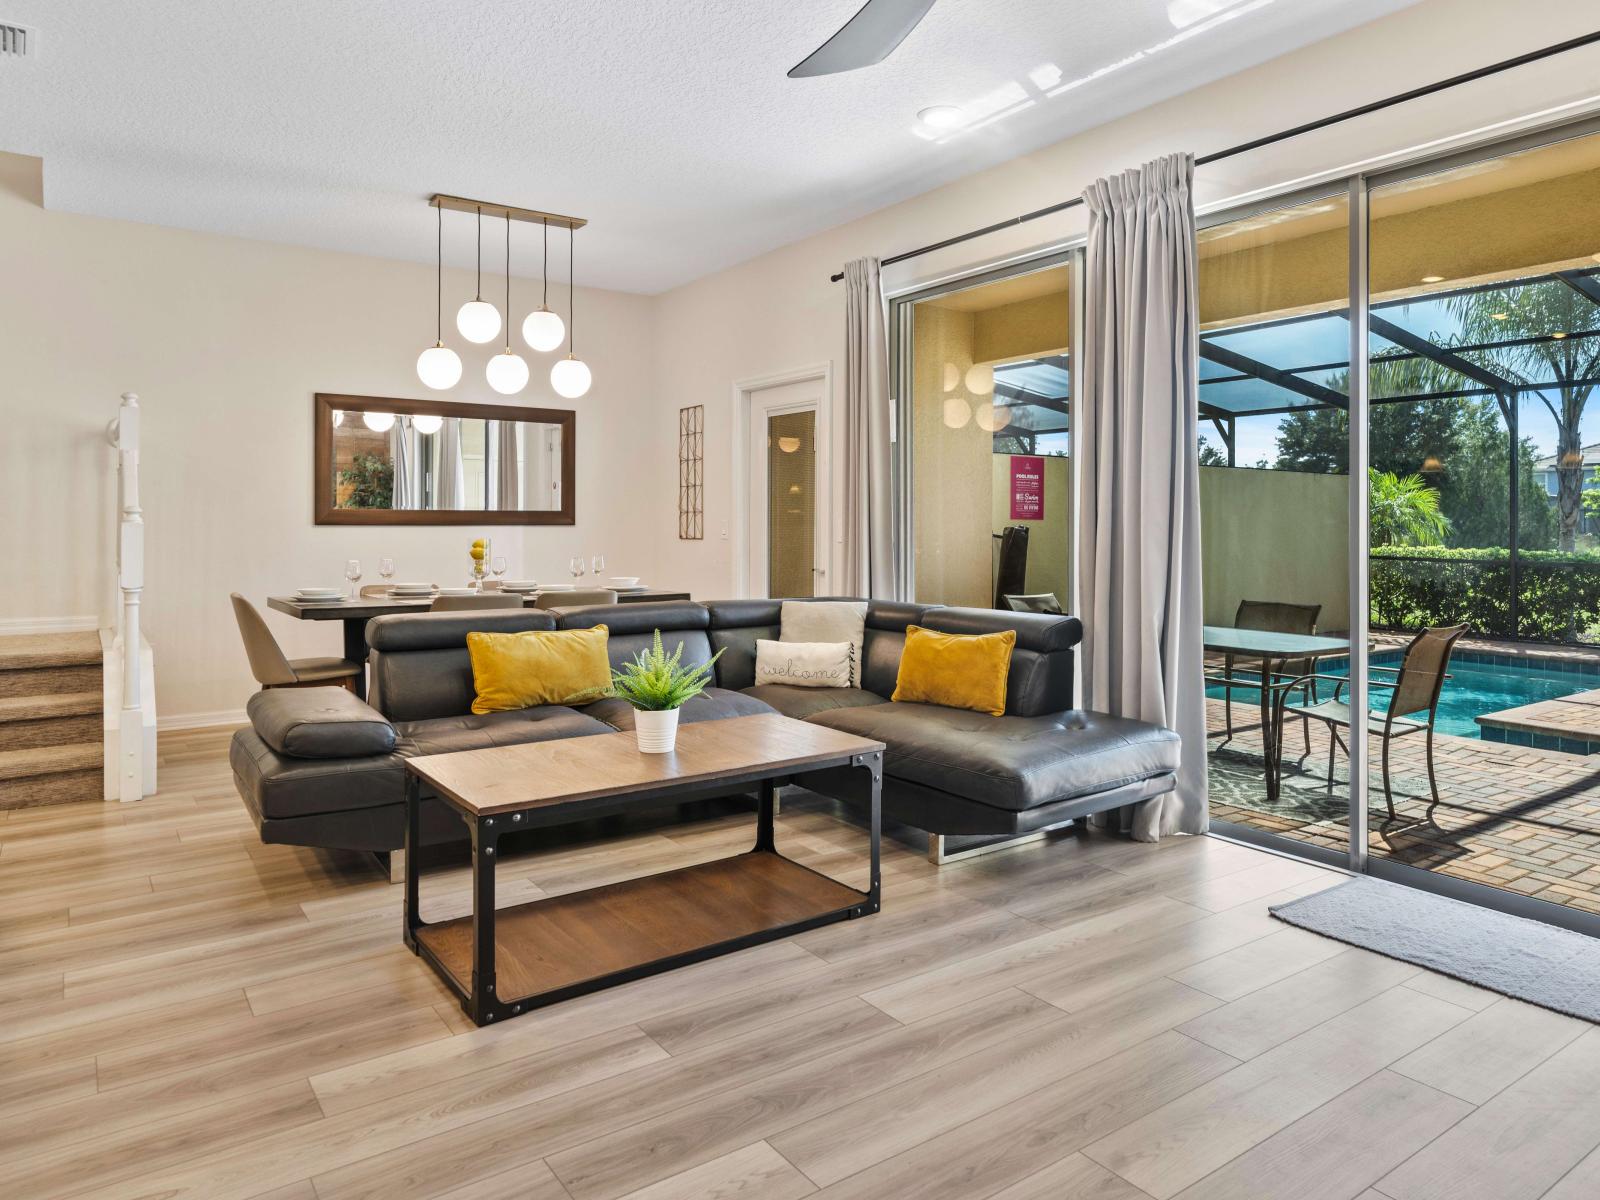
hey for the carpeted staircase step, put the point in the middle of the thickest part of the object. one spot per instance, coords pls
(51, 774)
(28, 722)
(49, 664)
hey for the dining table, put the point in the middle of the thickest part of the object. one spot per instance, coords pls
(1271, 650)
(353, 613)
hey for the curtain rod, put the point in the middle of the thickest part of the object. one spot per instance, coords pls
(1416, 93)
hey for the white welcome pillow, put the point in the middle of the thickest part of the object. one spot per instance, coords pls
(826, 621)
(804, 664)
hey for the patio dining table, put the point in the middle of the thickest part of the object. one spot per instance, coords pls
(1271, 651)
(354, 614)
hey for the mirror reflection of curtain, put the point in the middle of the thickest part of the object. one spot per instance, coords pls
(508, 467)
(402, 456)
(542, 459)
(448, 477)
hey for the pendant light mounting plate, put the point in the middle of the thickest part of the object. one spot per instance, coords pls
(532, 215)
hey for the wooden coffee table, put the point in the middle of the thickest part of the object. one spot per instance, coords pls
(505, 963)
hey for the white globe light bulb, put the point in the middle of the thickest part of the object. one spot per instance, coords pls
(478, 321)
(429, 422)
(980, 380)
(438, 367)
(507, 373)
(338, 417)
(957, 412)
(378, 422)
(543, 330)
(571, 377)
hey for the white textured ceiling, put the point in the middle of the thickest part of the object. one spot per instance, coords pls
(670, 124)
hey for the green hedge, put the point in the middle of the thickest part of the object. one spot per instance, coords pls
(1558, 594)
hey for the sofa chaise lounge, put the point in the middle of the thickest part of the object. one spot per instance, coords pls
(318, 767)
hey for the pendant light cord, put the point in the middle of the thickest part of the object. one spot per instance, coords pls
(572, 307)
(438, 281)
(508, 283)
(545, 300)
(479, 294)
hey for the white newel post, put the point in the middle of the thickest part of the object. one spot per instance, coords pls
(130, 582)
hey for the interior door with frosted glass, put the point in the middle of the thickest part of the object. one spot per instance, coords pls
(788, 511)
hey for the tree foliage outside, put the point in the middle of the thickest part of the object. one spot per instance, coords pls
(370, 478)
(1402, 510)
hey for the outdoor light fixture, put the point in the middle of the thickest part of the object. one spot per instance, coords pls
(477, 319)
(1558, 335)
(438, 366)
(571, 377)
(543, 329)
(507, 372)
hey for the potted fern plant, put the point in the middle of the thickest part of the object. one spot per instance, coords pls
(658, 684)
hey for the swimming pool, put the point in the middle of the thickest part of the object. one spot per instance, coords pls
(1478, 684)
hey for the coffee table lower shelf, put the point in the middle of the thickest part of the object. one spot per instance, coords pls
(562, 946)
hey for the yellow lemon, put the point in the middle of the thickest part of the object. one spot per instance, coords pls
(477, 544)
(477, 553)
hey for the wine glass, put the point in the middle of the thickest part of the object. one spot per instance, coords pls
(352, 572)
(497, 566)
(575, 565)
(386, 569)
(598, 563)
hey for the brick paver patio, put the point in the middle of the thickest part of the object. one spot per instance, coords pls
(1513, 817)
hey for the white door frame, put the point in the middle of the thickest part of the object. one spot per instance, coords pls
(743, 390)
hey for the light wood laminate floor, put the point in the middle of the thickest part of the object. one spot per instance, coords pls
(188, 1014)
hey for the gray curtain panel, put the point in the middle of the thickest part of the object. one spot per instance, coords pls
(403, 457)
(449, 477)
(870, 564)
(507, 492)
(1139, 510)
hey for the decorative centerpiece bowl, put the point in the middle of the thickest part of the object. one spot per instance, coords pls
(658, 684)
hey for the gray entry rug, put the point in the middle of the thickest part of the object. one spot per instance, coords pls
(1553, 968)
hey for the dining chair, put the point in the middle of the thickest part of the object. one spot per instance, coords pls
(1267, 616)
(273, 669)
(371, 590)
(1415, 688)
(465, 603)
(575, 598)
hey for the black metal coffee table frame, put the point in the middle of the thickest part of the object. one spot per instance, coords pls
(481, 1001)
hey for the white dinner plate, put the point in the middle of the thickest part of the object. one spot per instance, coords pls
(458, 592)
(319, 593)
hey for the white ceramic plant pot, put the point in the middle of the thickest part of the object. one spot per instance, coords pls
(656, 730)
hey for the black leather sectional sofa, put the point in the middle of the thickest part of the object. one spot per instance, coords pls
(319, 767)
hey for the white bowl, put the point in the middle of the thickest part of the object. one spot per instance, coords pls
(411, 587)
(520, 585)
(626, 581)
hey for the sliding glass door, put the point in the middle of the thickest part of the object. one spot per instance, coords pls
(1274, 505)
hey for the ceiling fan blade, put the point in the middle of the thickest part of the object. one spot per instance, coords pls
(868, 37)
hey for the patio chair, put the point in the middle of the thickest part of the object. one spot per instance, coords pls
(1269, 616)
(1012, 571)
(1415, 689)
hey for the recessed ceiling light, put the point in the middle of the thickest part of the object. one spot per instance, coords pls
(942, 116)
(1433, 279)
(1499, 316)
(1559, 334)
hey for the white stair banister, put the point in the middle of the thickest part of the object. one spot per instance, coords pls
(129, 745)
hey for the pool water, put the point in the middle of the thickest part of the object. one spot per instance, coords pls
(1472, 690)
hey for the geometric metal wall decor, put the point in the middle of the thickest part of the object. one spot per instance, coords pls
(691, 458)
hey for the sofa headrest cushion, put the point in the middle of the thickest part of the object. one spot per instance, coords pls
(1039, 632)
(322, 722)
(448, 630)
(669, 616)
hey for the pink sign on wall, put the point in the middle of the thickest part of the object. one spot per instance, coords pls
(1027, 487)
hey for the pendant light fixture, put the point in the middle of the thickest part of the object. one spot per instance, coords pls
(571, 376)
(543, 329)
(438, 366)
(477, 319)
(507, 372)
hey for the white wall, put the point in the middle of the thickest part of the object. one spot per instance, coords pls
(780, 311)
(226, 340)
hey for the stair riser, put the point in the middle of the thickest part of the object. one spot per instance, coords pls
(61, 787)
(50, 731)
(49, 681)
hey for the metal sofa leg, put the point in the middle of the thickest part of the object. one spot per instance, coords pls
(392, 863)
(939, 853)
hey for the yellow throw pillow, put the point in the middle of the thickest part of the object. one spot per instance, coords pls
(520, 670)
(956, 670)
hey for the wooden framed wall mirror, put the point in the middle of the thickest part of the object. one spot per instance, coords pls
(383, 461)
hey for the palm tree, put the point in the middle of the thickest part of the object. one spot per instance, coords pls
(1567, 366)
(1404, 511)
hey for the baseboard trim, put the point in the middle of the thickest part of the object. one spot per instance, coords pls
(10, 625)
(201, 720)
